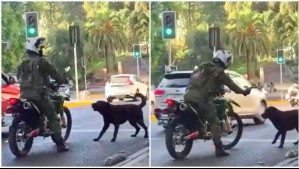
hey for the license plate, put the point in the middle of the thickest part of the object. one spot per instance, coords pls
(175, 97)
(164, 117)
(8, 115)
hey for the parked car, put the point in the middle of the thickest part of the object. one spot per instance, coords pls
(9, 90)
(125, 86)
(174, 85)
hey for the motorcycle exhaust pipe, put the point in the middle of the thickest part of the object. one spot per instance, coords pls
(27, 105)
(183, 106)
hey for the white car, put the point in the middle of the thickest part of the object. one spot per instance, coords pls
(124, 86)
(174, 85)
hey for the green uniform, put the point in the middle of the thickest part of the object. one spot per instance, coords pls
(205, 82)
(34, 73)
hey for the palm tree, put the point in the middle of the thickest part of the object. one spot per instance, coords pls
(249, 38)
(289, 29)
(108, 36)
(139, 23)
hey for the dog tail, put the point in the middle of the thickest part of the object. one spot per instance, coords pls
(143, 99)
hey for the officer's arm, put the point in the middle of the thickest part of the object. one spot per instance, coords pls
(49, 69)
(226, 80)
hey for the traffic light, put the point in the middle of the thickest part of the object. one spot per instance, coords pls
(168, 25)
(280, 56)
(136, 51)
(31, 22)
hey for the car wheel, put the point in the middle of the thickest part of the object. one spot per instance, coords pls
(109, 99)
(258, 121)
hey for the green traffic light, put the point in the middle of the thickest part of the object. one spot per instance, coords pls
(168, 31)
(280, 59)
(137, 53)
(31, 30)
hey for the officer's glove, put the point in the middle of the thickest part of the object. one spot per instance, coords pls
(246, 91)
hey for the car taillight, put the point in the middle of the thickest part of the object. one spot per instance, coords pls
(13, 101)
(169, 102)
(159, 92)
(130, 82)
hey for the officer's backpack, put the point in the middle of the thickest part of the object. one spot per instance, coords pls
(29, 75)
(204, 76)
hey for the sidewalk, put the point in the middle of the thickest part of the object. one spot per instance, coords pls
(139, 159)
(291, 162)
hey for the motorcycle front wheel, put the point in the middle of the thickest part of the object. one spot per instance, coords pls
(19, 144)
(230, 139)
(66, 125)
(175, 144)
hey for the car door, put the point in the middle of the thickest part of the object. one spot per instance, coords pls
(8, 91)
(141, 85)
(247, 103)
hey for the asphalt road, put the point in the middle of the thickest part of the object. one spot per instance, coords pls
(255, 147)
(83, 151)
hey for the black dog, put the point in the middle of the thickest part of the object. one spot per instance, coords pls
(283, 121)
(119, 114)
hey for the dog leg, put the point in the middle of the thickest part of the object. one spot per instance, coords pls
(283, 136)
(106, 126)
(116, 127)
(276, 137)
(136, 127)
(141, 123)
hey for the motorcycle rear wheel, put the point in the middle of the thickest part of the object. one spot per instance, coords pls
(17, 134)
(171, 139)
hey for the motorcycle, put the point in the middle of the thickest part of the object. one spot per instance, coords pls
(181, 131)
(27, 120)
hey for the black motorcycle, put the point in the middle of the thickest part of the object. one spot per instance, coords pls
(182, 128)
(27, 120)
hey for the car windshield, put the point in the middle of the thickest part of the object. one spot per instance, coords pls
(4, 80)
(178, 80)
(119, 79)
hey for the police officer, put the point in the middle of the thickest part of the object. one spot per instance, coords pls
(206, 80)
(34, 73)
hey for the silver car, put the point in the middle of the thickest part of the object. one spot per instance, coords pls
(174, 85)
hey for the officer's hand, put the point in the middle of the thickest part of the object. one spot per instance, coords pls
(246, 91)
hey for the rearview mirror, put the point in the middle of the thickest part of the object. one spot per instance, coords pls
(12, 80)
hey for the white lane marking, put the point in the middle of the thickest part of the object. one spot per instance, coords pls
(243, 140)
(98, 130)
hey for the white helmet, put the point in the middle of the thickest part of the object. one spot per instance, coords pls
(225, 57)
(36, 44)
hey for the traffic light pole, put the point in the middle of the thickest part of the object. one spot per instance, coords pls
(281, 97)
(169, 55)
(76, 71)
(137, 66)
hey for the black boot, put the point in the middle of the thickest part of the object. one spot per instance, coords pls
(61, 147)
(220, 151)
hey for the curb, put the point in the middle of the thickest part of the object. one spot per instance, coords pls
(292, 162)
(134, 158)
(78, 104)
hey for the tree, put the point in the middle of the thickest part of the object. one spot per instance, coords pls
(249, 38)
(107, 35)
(13, 35)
